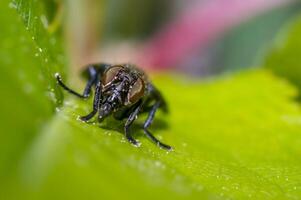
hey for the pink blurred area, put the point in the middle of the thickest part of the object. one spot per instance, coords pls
(194, 26)
(197, 26)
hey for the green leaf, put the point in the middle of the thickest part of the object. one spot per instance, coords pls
(234, 137)
(29, 56)
(284, 58)
(229, 143)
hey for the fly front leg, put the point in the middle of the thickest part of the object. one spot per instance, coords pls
(148, 122)
(93, 75)
(96, 102)
(129, 122)
(159, 102)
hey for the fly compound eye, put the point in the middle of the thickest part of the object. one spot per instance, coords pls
(110, 74)
(136, 92)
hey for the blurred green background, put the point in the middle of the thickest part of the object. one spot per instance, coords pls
(234, 121)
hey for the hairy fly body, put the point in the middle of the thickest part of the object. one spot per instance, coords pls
(123, 91)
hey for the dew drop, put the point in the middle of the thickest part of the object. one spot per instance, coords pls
(78, 118)
(67, 103)
(56, 74)
(123, 140)
(158, 164)
(159, 137)
(108, 133)
(138, 144)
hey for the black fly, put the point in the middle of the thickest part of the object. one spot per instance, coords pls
(125, 92)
